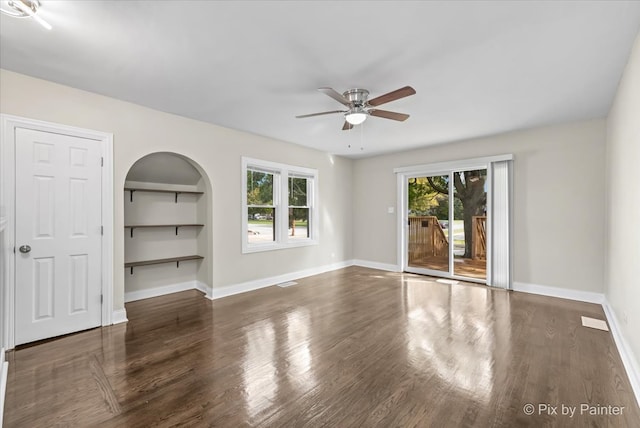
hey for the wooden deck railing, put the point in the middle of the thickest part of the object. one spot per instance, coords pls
(426, 238)
(479, 238)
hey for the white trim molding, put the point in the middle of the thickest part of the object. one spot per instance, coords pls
(243, 287)
(4, 372)
(377, 265)
(562, 293)
(148, 293)
(499, 173)
(8, 125)
(627, 356)
(459, 164)
(281, 174)
(119, 316)
(629, 360)
(203, 288)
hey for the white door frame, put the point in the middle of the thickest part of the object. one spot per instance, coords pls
(404, 173)
(8, 126)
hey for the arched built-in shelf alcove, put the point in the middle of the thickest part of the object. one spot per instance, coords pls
(166, 218)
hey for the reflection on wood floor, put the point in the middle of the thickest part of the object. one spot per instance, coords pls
(463, 267)
(354, 347)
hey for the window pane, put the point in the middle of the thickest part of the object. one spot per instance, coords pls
(279, 201)
(260, 226)
(298, 223)
(428, 233)
(259, 188)
(297, 192)
(470, 224)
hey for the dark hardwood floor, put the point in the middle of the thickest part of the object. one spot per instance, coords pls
(355, 347)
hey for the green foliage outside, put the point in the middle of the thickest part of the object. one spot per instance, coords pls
(260, 195)
(424, 200)
(298, 198)
(429, 196)
(259, 188)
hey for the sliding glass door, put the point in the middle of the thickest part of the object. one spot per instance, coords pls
(427, 225)
(468, 233)
(446, 232)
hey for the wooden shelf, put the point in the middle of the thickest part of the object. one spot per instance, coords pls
(144, 226)
(176, 192)
(177, 260)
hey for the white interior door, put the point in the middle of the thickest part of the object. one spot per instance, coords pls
(58, 235)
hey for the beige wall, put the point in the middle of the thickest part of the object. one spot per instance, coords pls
(622, 275)
(558, 185)
(558, 201)
(139, 131)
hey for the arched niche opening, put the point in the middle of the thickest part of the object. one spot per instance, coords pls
(167, 217)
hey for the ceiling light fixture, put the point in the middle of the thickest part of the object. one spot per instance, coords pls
(24, 9)
(356, 117)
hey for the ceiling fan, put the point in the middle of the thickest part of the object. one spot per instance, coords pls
(360, 107)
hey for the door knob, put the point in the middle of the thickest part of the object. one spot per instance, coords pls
(25, 249)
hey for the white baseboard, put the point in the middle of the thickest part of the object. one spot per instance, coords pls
(377, 265)
(563, 293)
(4, 367)
(119, 316)
(243, 287)
(626, 354)
(629, 360)
(204, 288)
(147, 293)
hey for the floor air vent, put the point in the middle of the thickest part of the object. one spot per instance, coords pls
(594, 323)
(287, 284)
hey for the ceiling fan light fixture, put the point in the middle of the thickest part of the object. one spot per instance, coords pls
(359, 106)
(356, 118)
(24, 9)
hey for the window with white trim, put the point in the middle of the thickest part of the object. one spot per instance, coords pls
(278, 204)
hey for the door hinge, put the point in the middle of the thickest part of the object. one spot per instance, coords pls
(102, 230)
(101, 299)
(14, 250)
(101, 161)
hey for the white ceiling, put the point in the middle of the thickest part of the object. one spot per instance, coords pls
(479, 68)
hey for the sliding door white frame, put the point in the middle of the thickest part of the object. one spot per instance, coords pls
(403, 174)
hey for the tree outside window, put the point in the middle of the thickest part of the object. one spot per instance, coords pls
(299, 220)
(278, 206)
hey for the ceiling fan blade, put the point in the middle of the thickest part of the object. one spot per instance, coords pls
(320, 114)
(389, 115)
(346, 126)
(335, 95)
(392, 96)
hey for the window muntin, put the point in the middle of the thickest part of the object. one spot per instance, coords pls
(278, 206)
(299, 208)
